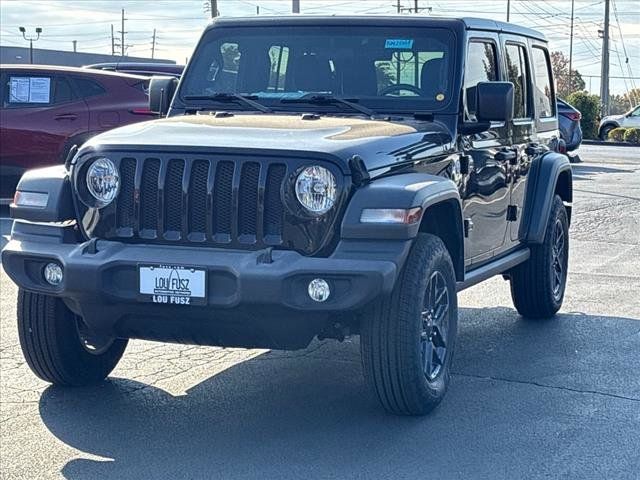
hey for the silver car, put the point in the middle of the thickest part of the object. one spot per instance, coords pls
(629, 119)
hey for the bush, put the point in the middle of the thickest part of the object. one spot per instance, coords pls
(589, 107)
(632, 135)
(617, 134)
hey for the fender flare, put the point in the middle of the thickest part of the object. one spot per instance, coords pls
(407, 190)
(54, 182)
(541, 189)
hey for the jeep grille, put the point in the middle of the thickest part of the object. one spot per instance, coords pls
(199, 200)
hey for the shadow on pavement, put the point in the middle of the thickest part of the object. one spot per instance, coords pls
(585, 172)
(519, 386)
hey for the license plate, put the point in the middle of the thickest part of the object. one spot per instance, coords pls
(172, 284)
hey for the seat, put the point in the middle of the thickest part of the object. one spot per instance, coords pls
(433, 77)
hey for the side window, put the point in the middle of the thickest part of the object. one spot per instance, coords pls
(518, 75)
(543, 89)
(481, 66)
(636, 112)
(62, 92)
(28, 90)
(89, 88)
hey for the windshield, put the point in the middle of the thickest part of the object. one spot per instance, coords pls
(386, 69)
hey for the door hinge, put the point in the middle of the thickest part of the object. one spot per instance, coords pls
(512, 213)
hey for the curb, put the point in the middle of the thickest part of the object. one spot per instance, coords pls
(609, 144)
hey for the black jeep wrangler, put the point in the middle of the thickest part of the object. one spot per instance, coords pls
(315, 176)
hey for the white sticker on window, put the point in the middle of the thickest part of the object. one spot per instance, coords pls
(398, 43)
(30, 90)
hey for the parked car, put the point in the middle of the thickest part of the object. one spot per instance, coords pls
(569, 122)
(140, 68)
(47, 109)
(349, 177)
(629, 119)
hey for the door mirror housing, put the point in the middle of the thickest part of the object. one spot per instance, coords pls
(161, 91)
(494, 102)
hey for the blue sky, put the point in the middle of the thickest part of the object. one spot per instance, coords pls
(180, 22)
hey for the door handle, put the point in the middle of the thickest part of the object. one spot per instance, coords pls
(66, 116)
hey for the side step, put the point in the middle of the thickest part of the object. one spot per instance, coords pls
(491, 269)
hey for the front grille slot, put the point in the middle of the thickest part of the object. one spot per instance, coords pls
(201, 201)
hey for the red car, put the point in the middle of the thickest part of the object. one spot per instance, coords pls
(47, 109)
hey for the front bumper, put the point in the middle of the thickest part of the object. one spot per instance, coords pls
(101, 281)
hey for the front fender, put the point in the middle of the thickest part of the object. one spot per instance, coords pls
(541, 189)
(404, 191)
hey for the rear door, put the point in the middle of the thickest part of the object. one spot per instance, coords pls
(541, 126)
(41, 112)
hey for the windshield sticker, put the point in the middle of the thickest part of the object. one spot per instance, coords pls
(440, 97)
(399, 43)
(29, 89)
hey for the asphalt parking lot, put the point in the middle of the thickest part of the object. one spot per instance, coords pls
(553, 399)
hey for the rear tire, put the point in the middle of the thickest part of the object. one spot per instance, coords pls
(538, 285)
(57, 346)
(407, 340)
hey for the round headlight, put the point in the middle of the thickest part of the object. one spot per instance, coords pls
(103, 181)
(316, 189)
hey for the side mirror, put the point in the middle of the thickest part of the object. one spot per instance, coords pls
(161, 91)
(494, 102)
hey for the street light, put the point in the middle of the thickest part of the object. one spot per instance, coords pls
(31, 40)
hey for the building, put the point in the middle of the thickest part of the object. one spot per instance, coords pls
(70, 59)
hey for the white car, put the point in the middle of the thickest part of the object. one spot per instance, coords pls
(629, 119)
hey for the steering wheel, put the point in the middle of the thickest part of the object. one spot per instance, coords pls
(400, 86)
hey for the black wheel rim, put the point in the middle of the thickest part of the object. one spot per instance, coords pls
(92, 342)
(558, 259)
(435, 326)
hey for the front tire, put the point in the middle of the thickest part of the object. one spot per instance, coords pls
(407, 340)
(58, 346)
(538, 285)
(604, 132)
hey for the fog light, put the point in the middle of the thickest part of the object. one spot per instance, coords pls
(319, 290)
(53, 274)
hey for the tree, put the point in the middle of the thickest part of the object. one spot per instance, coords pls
(560, 67)
(619, 104)
(589, 107)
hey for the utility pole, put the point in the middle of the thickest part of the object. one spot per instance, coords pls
(415, 6)
(295, 6)
(113, 42)
(214, 8)
(571, 45)
(508, 9)
(398, 7)
(30, 40)
(257, 9)
(122, 32)
(153, 44)
(604, 77)
(75, 45)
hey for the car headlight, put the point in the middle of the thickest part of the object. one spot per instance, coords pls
(103, 181)
(316, 189)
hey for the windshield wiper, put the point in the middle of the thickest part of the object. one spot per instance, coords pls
(227, 97)
(323, 99)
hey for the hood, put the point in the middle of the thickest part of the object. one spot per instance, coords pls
(381, 143)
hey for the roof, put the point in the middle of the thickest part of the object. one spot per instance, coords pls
(469, 23)
(64, 69)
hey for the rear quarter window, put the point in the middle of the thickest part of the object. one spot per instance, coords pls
(543, 89)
